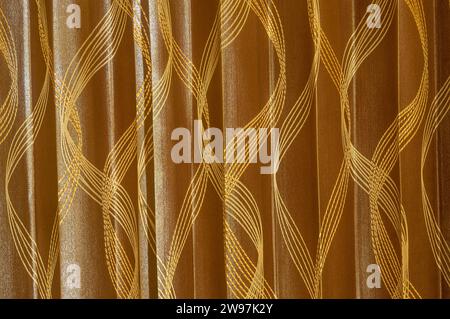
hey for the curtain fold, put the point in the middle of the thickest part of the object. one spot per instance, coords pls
(352, 96)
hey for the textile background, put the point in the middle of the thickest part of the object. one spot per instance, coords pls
(88, 186)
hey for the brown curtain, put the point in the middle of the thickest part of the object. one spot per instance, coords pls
(92, 204)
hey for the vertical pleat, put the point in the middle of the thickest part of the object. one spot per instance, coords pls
(207, 231)
(374, 109)
(145, 151)
(416, 64)
(336, 194)
(295, 229)
(173, 209)
(442, 69)
(20, 189)
(94, 105)
(245, 91)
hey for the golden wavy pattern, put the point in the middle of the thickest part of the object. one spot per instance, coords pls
(164, 62)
